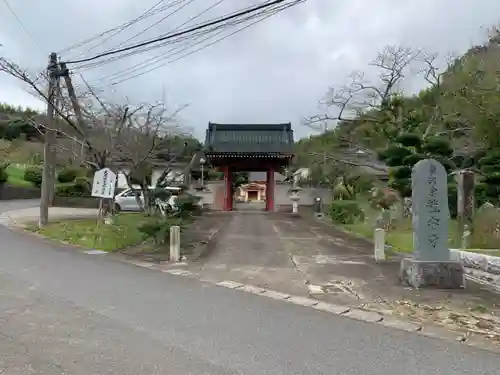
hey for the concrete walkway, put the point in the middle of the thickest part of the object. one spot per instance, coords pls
(285, 253)
(248, 249)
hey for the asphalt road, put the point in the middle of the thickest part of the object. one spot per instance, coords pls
(63, 312)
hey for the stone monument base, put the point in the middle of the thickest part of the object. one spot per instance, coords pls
(439, 275)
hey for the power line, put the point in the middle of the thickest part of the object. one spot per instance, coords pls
(156, 23)
(171, 41)
(150, 12)
(200, 27)
(111, 59)
(196, 34)
(176, 51)
(204, 46)
(7, 4)
(130, 23)
(160, 57)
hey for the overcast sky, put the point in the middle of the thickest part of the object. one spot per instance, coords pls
(273, 72)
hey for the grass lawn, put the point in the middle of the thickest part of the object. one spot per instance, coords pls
(401, 237)
(16, 176)
(122, 233)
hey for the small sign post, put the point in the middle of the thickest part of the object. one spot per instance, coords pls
(103, 186)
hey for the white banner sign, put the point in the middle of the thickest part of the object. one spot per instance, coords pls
(104, 183)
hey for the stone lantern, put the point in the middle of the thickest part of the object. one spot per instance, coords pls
(294, 194)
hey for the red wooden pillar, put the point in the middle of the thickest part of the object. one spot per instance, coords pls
(228, 191)
(270, 188)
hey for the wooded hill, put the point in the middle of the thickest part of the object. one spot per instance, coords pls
(455, 120)
(461, 103)
(22, 139)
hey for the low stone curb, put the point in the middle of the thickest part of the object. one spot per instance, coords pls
(479, 267)
(367, 316)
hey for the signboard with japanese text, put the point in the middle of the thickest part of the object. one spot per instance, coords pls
(104, 183)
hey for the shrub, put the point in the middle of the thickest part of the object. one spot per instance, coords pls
(79, 188)
(159, 193)
(4, 175)
(384, 198)
(188, 204)
(34, 175)
(67, 174)
(3, 128)
(159, 229)
(84, 184)
(13, 131)
(346, 212)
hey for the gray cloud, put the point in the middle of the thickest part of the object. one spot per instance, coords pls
(275, 71)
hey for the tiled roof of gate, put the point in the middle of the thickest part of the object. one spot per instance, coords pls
(249, 138)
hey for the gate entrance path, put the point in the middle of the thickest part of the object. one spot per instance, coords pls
(249, 250)
(287, 254)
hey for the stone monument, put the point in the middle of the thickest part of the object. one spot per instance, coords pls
(431, 264)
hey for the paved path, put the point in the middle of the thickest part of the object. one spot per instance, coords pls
(28, 212)
(18, 204)
(248, 250)
(63, 312)
(284, 253)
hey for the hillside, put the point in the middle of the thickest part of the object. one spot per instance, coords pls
(461, 105)
(21, 142)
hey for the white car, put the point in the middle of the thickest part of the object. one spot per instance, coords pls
(125, 201)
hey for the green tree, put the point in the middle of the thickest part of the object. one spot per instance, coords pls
(408, 150)
(239, 178)
(488, 190)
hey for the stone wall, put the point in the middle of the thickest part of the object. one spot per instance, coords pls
(9, 192)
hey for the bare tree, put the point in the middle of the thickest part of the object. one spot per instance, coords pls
(370, 108)
(441, 75)
(361, 97)
(126, 138)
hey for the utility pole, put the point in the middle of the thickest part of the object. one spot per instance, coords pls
(48, 176)
(57, 100)
(74, 103)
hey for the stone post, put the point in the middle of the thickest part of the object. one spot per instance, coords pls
(379, 241)
(175, 243)
(431, 263)
(318, 207)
